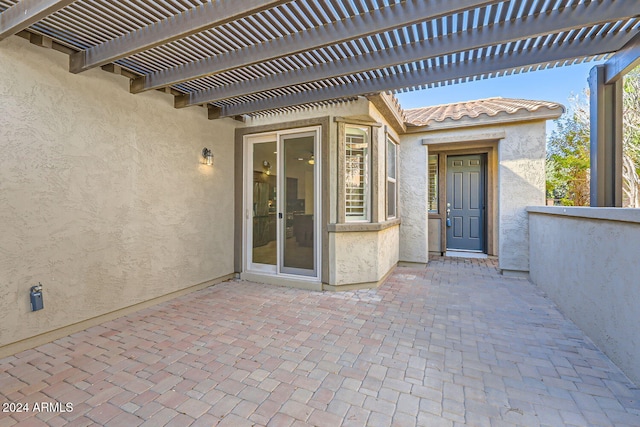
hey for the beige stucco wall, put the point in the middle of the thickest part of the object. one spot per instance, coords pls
(413, 199)
(362, 257)
(520, 183)
(435, 242)
(102, 195)
(586, 260)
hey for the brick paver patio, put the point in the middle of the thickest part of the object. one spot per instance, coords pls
(451, 344)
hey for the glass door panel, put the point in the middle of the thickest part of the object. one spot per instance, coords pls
(264, 204)
(281, 203)
(298, 205)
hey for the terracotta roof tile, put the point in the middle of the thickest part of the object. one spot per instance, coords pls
(472, 109)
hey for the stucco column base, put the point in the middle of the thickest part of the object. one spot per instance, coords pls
(515, 273)
(357, 286)
(413, 264)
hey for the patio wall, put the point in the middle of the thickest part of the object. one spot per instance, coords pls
(362, 259)
(103, 199)
(586, 259)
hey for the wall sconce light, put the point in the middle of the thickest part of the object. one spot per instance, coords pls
(312, 160)
(207, 155)
(266, 167)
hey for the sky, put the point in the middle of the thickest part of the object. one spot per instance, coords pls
(556, 85)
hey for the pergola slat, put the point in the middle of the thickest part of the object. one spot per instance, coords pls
(443, 73)
(187, 23)
(377, 21)
(27, 12)
(557, 21)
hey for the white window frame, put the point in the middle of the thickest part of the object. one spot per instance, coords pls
(365, 132)
(433, 184)
(391, 179)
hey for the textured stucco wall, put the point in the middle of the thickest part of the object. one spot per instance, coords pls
(102, 195)
(520, 183)
(413, 198)
(590, 268)
(362, 256)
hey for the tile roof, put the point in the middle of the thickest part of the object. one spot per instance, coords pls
(489, 107)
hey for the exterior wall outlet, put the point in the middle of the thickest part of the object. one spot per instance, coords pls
(35, 294)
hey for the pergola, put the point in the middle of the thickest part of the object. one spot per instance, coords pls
(248, 57)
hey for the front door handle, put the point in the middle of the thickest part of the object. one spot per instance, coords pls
(280, 215)
(448, 214)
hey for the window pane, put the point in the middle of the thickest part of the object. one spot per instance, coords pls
(392, 165)
(391, 159)
(264, 203)
(357, 174)
(433, 183)
(391, 199)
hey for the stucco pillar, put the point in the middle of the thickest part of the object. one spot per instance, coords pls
(413, 209)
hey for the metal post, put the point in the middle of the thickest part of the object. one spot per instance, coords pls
(606, 139)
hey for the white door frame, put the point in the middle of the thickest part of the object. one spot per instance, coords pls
(247, 221)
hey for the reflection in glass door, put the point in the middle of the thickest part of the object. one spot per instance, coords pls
(281, 199)
(298, 184)
(264, 199)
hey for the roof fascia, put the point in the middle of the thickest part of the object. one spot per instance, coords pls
(389, 110)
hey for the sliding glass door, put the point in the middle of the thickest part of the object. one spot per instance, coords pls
(282, 203)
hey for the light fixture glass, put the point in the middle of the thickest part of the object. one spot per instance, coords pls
(207, 155)
(312, 160)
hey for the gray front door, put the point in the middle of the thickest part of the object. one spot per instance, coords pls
(466, 202)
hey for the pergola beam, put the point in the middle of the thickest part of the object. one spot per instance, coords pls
(528, 58)
(623, 61)
(374, 22)
(26, 13)
(189, 22)
(584, 15)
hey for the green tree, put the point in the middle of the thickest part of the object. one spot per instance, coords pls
(568, 156)
(631, 116)
(631, 140)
